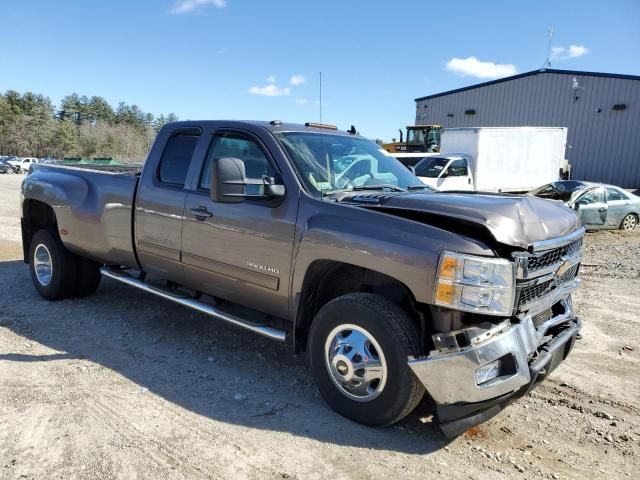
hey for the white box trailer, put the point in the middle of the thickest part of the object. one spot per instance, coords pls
(496, 159)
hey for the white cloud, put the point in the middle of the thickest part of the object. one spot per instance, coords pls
(270, 90)
(473, 67)
(302, 101)
(573, 51)
(185, 6)
(576, 51)
(297, 80)
(271, 79)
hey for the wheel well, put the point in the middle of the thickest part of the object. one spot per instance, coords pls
(326, 280)
(36, 215)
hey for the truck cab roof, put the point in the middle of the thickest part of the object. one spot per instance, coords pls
(272, 126)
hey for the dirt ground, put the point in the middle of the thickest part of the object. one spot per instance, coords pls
(123, 385)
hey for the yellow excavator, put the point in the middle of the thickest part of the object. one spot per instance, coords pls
(420, 138)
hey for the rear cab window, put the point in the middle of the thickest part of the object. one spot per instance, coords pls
(176, 157)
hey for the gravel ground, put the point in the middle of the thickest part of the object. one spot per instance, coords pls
(123, 385)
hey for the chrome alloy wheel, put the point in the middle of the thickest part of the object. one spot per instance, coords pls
(42, 264)
(355, 362)
(629, 222)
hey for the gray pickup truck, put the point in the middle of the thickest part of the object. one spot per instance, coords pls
(319, 238)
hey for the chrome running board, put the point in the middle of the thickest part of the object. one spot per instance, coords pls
(272, 333)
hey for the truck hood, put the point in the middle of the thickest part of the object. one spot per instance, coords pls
(515, 220)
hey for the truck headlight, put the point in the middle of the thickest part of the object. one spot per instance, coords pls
(475, 284)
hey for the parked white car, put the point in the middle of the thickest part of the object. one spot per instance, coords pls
(23, 164)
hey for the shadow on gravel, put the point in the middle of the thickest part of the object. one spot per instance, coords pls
(195, 362)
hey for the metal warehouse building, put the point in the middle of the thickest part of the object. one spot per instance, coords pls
(600, 110)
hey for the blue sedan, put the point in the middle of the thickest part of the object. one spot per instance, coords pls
(599, 206)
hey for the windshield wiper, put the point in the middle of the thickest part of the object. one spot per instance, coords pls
(419, 187)
(394, 188)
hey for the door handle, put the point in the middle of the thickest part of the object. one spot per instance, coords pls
(200, 213)
(603, 209)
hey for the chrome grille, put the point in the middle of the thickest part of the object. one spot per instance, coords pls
(531, 293)
(542, 317)
(539, 261)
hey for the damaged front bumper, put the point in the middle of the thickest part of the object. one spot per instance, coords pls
(519, 356)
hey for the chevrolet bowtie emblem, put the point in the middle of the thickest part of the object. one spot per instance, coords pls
(564, 266)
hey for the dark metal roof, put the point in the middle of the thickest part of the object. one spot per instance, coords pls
(527, 74)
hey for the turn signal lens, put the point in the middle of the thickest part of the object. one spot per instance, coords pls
(448, 268)
(445, 293)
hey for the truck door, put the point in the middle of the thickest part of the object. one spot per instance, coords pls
(592, 208)
(160, 205)
(242, 251)
(457, 176)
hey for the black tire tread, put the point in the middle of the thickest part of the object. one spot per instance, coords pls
(61, 287)
(407, 334)
(88, 277)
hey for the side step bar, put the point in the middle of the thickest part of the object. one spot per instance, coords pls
(272, 333)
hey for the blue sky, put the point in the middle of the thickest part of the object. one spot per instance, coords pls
(260, 59)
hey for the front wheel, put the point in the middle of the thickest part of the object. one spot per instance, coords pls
(359, 345)
(629, 222)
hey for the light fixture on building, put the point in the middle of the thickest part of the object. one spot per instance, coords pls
(620, 106)
(470, 112)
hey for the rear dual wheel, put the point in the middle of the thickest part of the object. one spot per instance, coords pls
(359, 345)
(56, 272)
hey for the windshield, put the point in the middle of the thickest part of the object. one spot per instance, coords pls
(329, 163)
(417, 137)
(558, 190)
(431, 167)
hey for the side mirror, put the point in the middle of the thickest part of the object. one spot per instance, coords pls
(412, 169)
(229, 182)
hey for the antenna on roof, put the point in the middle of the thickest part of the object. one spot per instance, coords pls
(320, 101)
(547, 63)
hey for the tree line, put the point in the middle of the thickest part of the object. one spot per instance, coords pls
(88, 127)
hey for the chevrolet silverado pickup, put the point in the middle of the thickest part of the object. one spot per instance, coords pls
(321, 239)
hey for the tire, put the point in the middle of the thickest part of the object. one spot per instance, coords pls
(88, 277)
(389, 329)
(629, 222)
(63, 278)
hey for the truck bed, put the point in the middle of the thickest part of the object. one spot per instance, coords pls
(93, 206)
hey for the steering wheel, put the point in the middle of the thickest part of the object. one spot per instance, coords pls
(345, 182)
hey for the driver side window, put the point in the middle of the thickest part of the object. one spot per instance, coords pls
(458, 168)
(256, 164)
(594, 196)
